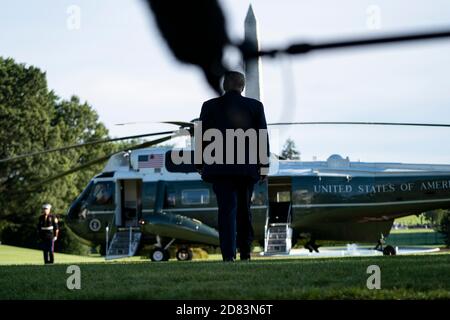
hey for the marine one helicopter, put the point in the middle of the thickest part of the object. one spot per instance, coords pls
(143, 197)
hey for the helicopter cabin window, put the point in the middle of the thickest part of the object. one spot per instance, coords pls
(102, 194)
(283, 196)
(280, 189)
(195, 196)
(171, 199)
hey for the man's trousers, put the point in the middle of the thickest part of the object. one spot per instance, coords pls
(48, 248)
(235, 219)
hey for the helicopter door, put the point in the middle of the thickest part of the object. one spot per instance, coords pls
(280, 200)
(130, 202)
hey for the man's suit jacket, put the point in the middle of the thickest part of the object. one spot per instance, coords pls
(233, 111)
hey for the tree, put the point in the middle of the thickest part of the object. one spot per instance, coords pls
(443, 225)
(440, 220)
(433, 217)
(26, 107)
(289, 150)
(33, 118)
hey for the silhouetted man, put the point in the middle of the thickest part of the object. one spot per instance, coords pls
(233, 179)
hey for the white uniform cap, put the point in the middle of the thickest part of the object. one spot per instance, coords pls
(47, 206)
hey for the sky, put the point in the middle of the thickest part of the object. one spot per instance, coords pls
(110, 54)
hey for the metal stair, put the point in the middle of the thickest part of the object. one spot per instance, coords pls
(278, 231)
(124, 243)
(278, 239)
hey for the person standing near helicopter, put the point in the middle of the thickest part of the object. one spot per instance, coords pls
(48, 230)
(233, 181)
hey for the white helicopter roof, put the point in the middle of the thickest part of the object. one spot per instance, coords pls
(149, 164)
(336, 165)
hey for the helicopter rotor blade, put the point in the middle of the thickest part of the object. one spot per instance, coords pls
(134, 122)
(190, 125)
(180, 123)
(99, 160)
(371, 123)
(361, 123)
(32, 154)
(303, 48)
(177, 123)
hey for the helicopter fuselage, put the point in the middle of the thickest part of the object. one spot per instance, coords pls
(325, 200)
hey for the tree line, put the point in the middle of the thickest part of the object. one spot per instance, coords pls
(34, 118)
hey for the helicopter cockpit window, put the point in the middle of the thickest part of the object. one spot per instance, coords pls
(78, 209)
(195, 196)
(102, 194)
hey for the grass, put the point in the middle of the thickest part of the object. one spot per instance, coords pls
(415, 237)
(411, 220)
(402, 277)
(14, 255)
(418, 230)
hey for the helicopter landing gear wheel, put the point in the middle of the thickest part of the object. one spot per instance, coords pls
(389, 251)
(184, 254)
(159, 254)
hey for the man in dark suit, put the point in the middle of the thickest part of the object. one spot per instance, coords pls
(233, 179)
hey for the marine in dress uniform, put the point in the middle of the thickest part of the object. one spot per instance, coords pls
(48, 232)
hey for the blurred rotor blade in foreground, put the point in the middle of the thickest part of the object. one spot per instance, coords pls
(303, 48)
(195, 33)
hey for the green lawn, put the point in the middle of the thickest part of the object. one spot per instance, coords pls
(14, 255)
(411, 220)
(414, 237)
(402, 277)
(421, 230)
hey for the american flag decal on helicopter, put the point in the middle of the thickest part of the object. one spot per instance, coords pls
(150, 161)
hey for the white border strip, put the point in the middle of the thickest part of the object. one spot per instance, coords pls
(101, 212)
